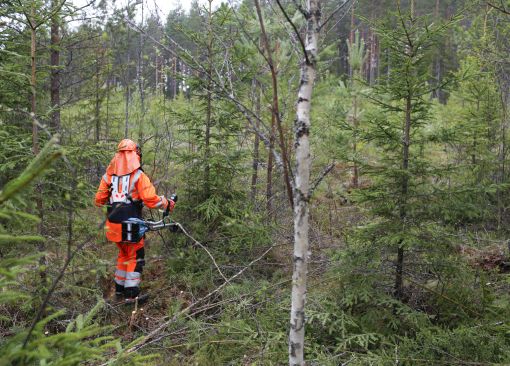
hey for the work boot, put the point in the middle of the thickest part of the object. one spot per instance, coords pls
(140, 299)
(119, 289)
(119, 292)
(131, 292)
(132, 295)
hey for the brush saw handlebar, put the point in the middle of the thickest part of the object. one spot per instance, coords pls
(153, 225)
(134, 229)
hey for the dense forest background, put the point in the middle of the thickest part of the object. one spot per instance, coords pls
(409, 186)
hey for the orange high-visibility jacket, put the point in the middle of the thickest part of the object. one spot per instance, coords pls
(143, 190)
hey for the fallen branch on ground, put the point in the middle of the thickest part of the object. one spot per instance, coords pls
(147, 339)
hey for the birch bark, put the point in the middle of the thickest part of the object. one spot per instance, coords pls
(302, 185)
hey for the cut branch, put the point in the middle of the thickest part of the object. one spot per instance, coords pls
(147, 339)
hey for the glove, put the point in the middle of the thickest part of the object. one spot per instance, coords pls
(170, 206)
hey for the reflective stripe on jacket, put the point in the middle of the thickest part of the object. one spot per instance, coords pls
(142, 190)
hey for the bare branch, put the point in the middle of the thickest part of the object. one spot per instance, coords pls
(256, 44)
(53, 12)
(340, 7)
(319, 179)
(295, 30)
(501, 8)
(147, 339)
(204, 248)
(223, 92)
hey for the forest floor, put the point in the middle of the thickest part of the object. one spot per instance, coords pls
(130, 320)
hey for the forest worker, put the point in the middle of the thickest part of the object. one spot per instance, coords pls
(125, 188)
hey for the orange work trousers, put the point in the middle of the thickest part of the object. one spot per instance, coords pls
(130, 262)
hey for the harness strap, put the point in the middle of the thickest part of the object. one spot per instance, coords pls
(114, 188)
(125, 185)
(133, 182)
(128, 185)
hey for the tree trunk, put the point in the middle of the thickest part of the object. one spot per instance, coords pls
(355, 178)
(269, 182)
(207, 169)
(128, 91)
(437, 62)
(405, 167)
(256, 144)
(373, 58)
(404, 191)
(139, 70)
(302, 186)
(504, 96)
(275, 105)
(97, 114)
(156, 78)
(141, 88)
(41, 247)
(55, 72)
(351, 36)
(35, 130)
(107, 118)
(177, 69)
(97, 110)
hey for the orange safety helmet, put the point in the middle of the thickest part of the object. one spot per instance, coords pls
(126, 160)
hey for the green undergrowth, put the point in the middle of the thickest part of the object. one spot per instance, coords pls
(351, 317)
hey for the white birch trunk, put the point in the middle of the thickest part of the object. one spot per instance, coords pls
(302, 187)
